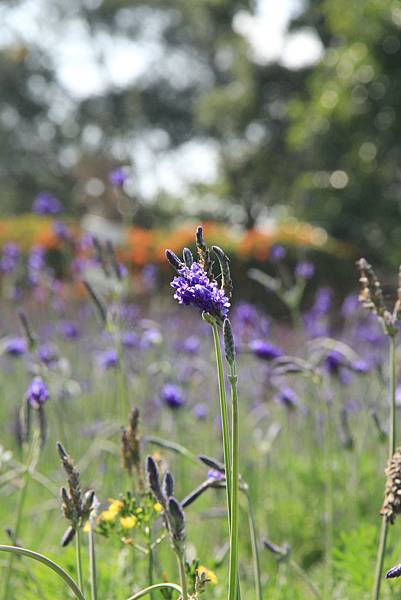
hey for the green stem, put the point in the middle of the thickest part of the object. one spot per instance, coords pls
(381, 550)
(79, 558)
(16, 531)
(183, 577)
(305, 577)
(224, 417)
(233, 573)
(49, 563)
(150, 563)
(92, 562)
(157, 586)
(255, 551)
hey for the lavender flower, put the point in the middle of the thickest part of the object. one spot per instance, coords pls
(304, 270)
(189, 345)
(287, 397)
(46, 204)
(47, 354)
(61, 231)
(16, 346)
(172, 396)
(118, 176)
(193, 286)
(37, 393)
(265, 350)
(130, 339)
(201, 411)
(36, 264)
(11, 255)
(69, 330)
(277, 253)
(108, 359)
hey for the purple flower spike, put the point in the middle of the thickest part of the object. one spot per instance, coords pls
(108, 359)
(265, 350)
(305, 270)
(37, 393)
(172, 396)
(118, 176)
(16, 346)
(11, 255)
(287, 397)
(192, 286)
(394, 572)
(46, 204)
(277, 253)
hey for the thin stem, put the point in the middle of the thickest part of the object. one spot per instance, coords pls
(157, 586)
(305, 577)
(183, 577)
(79, 558)
(18, 520)
(92, 562)
(49, 563)
(224, 416)
(381, 550)
(150, 563)
(255, 551)
(233, 573)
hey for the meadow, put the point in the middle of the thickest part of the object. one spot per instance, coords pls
(314, 431)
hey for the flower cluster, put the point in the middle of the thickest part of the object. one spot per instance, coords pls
(193, 286)
(46, 204)
(128, 513)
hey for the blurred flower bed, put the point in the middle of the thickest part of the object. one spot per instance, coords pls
(138, 247)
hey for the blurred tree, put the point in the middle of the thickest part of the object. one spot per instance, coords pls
(200, 84)
(347, 131)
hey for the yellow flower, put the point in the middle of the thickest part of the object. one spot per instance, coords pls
(210, 575)
(115, 505)
(158, 507)
(107, 515)
(86, 528)
(128, 522)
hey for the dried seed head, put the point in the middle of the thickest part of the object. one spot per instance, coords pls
(226, 281)
(27, 329)
(97, 302)
(204, 254)
(131, 448)
(371, 295)
(392, 495)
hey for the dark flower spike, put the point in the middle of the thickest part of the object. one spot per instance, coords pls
(212, 463)
(187, 256)
(154, 481)
(280, 551)
(100, 307)
(394, 572)
(177, 520)
(210, 482)
(168, 485)
(229, 344)
(27, 329)
(174, 260)
(226, 281)
(113, 260)
(204, 254)
(67, 537)
(100, 256)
